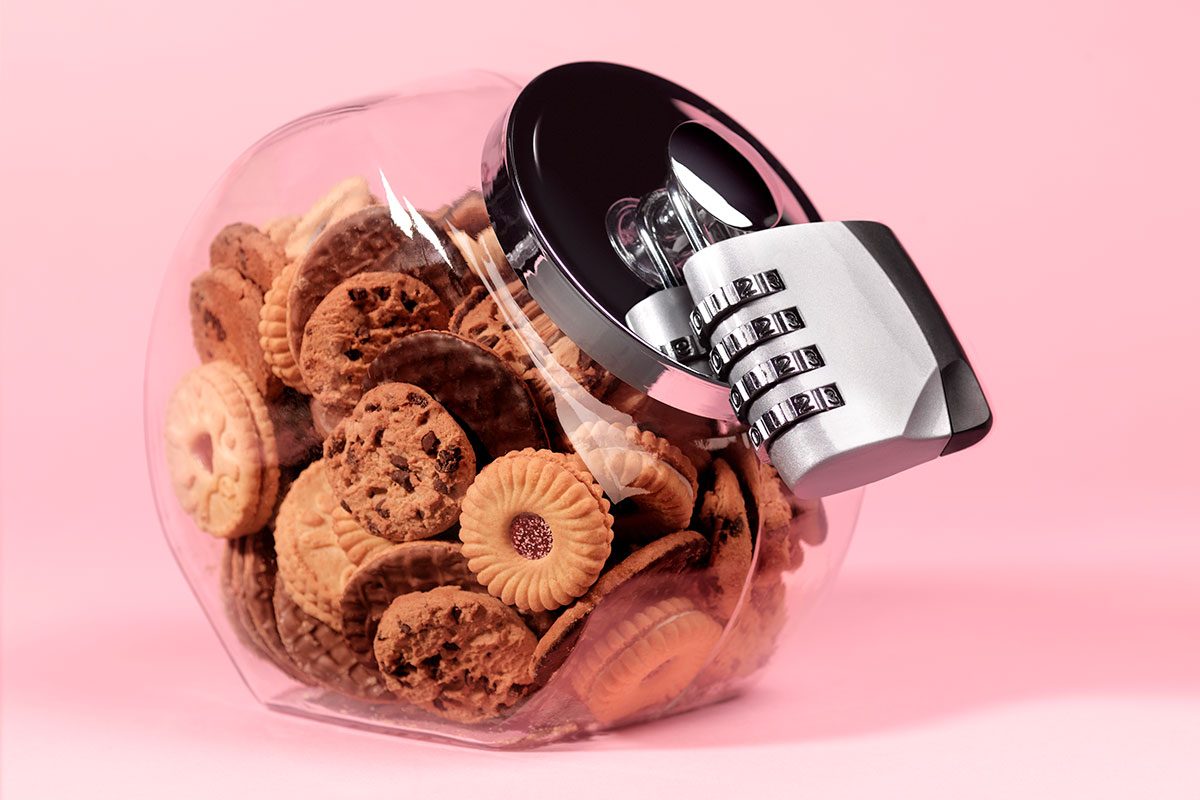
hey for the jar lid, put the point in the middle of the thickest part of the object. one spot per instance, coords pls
(577, 149)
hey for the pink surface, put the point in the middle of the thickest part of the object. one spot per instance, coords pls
(1019, 620)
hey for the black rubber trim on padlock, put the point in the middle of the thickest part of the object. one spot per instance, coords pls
(970, 415)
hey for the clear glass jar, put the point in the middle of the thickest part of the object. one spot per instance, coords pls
(404, 498)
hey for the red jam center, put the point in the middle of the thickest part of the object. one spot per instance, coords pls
(531, 536)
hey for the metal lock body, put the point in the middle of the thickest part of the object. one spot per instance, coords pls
(683, 257)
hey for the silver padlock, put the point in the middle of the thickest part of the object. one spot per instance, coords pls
(677, 251)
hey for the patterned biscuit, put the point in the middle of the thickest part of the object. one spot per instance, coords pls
(392, 572)
(315, 561)
(357, 321)
(458, 654)
(272, 331)
(225, 308)
(472, 382)
(250, 252)
(400, 463)
(722, 516)
(341, 201)
(651, 481)
(647, 572)
(369, 241)
(320, 652)
(535, 531)
(644, 661)
(216, 456)
(264, 426)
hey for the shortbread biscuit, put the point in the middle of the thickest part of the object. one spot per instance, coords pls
(354, 324)
(644, 661)
(315, 561)
(461, 655)
(216, 454)
(272, 331)
(400, 463)
(535, 532)
(652, 483)
(658, 569)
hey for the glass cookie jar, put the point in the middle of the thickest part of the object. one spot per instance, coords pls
(424, 468)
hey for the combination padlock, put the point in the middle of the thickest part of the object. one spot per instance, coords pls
(672, 246)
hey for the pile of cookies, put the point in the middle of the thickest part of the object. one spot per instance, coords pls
(377, 430)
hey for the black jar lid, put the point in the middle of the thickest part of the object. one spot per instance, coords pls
(579, 139)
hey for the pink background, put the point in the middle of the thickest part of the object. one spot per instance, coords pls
(1022, 619)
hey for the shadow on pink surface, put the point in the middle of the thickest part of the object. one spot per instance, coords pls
(885, 654)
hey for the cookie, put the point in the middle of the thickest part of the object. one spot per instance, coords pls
(390, 573)
(651, 482)
(535, 531)
(248, 251)
(249, 574)
(647, 572)
(341, 201)
(751, 638)
(221, 451)
(369, 241)
(272, 331)
(315, 561)
(664, 420)
(321, 654)
(461, 655)
(357, 321)
(280, 228)
(722, 516)
(225, 308)
(467, 214)
(297, 441)
(785, 523)
(644, 661)
(400, 463)
(487, 398)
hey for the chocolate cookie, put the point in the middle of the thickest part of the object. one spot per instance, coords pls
(397, 570)
(225, 308)
(722, 516)
(400, 463)
(249, 573)
(461, 655)
(647, 572)
(346, 197)
(321, 653)
(473, 383)
(250, 252)
(369, 241)
(357, 321)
